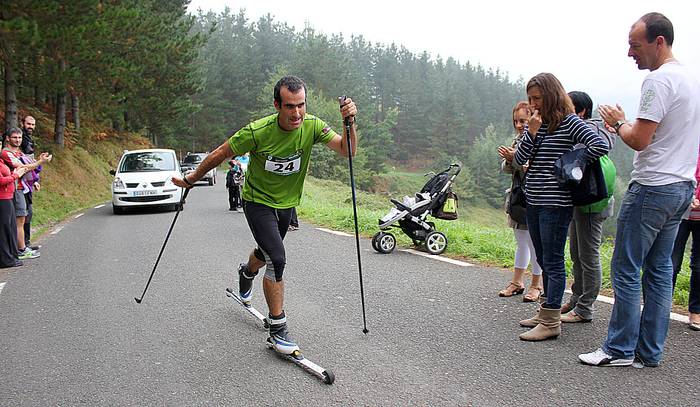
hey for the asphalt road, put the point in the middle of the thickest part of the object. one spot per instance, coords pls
(71, 333)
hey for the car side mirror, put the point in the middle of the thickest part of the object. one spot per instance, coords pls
(112, 172)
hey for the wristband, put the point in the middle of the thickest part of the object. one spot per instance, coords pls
(184, 178)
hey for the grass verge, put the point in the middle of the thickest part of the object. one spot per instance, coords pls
(480, 235)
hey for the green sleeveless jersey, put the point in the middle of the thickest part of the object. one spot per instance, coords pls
(279, 159)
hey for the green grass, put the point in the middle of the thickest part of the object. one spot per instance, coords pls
(480, 234)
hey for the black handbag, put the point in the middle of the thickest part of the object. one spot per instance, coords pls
(517, 203)
(584, 179)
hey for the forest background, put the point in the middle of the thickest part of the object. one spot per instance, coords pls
(189, 81)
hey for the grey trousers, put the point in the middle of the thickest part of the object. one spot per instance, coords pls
(585, 237)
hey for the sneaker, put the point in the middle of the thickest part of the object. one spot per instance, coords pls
(600, 358)
(33, 246)
(28, 253)
(293, 228)
(640, 363)
(245, 283)
(280, 338)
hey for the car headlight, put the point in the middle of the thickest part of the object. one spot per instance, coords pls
(118, 184)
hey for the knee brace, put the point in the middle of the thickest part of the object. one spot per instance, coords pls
(274, 266)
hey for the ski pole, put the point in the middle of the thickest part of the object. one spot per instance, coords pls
(347, 124)
(179, 208)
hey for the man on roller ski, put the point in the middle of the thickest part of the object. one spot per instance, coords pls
(280, 148)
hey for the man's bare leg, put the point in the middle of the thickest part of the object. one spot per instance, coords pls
(274, 295)
(254, 263)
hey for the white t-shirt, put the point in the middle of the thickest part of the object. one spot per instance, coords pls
(670, 97)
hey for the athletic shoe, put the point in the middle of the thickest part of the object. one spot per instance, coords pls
(282, 341)
(293, 228)
(600, 358)
(28, 253)
(640, 363)
(34, 247)
(245, 284)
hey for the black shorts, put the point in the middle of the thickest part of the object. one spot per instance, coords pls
(269, 227)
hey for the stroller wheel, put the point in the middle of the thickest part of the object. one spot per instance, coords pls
(375, 239)
(435, 242)
(386, 242)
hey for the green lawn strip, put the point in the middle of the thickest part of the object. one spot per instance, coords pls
(480, 235)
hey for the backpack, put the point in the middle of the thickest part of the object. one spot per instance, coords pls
(609, 173)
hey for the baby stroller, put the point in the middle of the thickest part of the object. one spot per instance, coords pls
(410, 216)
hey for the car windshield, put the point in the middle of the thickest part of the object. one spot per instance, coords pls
(148, 161)
(192, 159)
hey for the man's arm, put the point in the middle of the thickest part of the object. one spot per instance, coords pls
(637, 134)
(212, 160)
(340, 144)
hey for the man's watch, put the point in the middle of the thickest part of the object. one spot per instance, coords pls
(618, 124)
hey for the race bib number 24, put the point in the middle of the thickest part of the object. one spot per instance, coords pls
(283, 166)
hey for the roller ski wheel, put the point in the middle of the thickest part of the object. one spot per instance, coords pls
(386, 243)
(435, 242)
(298, 359)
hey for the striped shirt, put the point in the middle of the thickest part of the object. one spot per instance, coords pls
(541, 187)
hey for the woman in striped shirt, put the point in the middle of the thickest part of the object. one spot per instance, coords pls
(553, 129)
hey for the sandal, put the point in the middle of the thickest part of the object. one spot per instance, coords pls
(511, 290)
(530, 296)
(566, 308)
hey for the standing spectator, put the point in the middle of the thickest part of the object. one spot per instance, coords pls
(665, 136)
(8, 225)
(27, 147)
(13, 157)
(234, 178)
(553, 129)
(690, 224)
(294, 221)
(586, 232)
(525, 252)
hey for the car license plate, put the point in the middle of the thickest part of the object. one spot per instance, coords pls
(146, 192)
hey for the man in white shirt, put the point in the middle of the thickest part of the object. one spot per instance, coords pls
(666, 137)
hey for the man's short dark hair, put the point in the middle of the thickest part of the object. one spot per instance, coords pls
(581, 101)
(291, 82)
(658, 25)
(13, 130)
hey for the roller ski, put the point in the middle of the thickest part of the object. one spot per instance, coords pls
(279, 340)
(254, 312)
(282, 343)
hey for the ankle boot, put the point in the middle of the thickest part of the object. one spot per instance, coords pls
(531, 322)
(549, 326)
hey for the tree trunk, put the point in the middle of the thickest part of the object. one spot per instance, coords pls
(10, 98)
(60, 124)
(126, 120)
(60, 127)
(39, 96)
(75, 111)
(117, 124)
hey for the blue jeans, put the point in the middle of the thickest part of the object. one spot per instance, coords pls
(646, 229)
(685, 229)
(548, 226)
